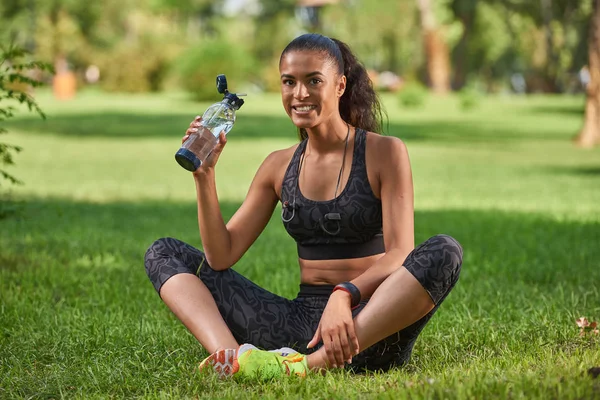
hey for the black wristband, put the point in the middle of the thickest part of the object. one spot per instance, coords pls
(352, 289)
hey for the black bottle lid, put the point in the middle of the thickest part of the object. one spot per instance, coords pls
(233, 100)
(228, 97)
(222, 84)
(187, 159)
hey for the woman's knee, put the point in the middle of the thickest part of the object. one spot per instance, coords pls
(436, 264)
(163, 247)
(167, 257)
(449, 251)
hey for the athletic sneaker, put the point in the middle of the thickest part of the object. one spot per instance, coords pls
(284, 351)
(250, 362)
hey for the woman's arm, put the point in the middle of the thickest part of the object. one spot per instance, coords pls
(336, 328)
(224, 244)
(397, 200)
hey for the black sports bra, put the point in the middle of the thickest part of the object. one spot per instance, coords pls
(349, 226)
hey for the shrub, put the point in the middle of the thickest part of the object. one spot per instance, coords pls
(135, 68)
(469, 97)
(15, 86)
(200, 65)
(270, 78)
(413, 95)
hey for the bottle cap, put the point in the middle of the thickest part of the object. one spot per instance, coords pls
(233, 100)
(221, 84)
(228, 97)
(187, 160)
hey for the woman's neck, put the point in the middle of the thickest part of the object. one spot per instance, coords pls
(327, 137)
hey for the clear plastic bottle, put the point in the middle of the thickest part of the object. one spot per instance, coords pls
(217, 118)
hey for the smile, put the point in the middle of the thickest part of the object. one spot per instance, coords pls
(304, 108)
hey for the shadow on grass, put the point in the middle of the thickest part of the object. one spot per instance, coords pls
(130, 125)
(574, 170)
(564, 110)
(78, 312)
(498, 245)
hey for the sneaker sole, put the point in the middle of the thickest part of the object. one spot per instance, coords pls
(223, 362)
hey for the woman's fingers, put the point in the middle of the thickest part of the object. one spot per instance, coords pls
(340, 350)
(352, 339)
(212, 158)
(334, 350)
(346, 349)
(315, 339)
(220, 144)
(194, 126)
(340, 345)
(329, 350)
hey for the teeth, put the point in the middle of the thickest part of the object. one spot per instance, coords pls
(305, 108)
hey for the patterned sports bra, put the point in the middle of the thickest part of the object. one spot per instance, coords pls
(349, 226)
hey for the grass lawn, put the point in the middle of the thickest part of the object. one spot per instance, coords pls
(79, 318)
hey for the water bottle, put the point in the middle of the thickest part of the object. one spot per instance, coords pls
(217, 118)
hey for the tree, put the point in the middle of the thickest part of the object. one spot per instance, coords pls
(14, 85)
(465, 12)
(436, 49)
(546, 40)
(590, 133)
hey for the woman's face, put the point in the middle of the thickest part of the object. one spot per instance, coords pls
(311, 87)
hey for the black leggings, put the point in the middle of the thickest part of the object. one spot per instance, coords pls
(257, 316)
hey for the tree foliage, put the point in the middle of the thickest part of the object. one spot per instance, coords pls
(489, 41)
(15, 85)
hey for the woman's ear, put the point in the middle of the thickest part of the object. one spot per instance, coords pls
(341, 87)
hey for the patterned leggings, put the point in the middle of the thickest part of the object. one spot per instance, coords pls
(268, 321)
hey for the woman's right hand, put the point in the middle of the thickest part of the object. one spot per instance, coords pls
(212, 158)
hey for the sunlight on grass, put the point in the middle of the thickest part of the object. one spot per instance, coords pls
(520, 158)
(79, 318)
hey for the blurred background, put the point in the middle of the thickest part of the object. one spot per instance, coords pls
(481, 46)
(488, 95)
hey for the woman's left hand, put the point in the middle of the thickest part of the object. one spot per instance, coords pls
(336, 330)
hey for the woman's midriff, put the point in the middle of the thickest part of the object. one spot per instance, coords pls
(332, 272)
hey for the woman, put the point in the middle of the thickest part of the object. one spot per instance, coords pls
(347, 200)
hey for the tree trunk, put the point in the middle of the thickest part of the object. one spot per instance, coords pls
(436, 49)
(64, 81)
(460, 59)
(590, 133)
(390, 45)
(551, 67)
(464, 11)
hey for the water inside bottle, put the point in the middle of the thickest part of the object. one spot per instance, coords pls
(201, 143)
(218, 124)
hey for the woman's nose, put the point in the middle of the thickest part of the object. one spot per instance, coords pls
(301, 91)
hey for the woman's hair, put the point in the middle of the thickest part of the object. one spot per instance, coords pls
(359, 105)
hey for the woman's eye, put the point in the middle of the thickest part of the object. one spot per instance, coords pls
(315, 81)
(288, 82)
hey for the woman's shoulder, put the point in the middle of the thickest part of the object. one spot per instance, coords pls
(281, 157)
(385, 147)
(275, 164)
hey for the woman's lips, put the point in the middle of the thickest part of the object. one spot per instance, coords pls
(303, 109)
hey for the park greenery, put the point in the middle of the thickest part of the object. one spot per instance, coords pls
(14, 90)
(80, 319)
(489, 97)
(138, 44)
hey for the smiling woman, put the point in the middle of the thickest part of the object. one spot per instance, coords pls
(310, 88)
(347, 199)
(345, 73)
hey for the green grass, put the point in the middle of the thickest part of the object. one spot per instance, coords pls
(79, 319)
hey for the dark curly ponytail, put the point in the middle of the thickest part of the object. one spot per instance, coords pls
(359, 105)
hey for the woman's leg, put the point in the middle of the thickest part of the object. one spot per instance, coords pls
(172, 266)
(388, 325)
(220, 308)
